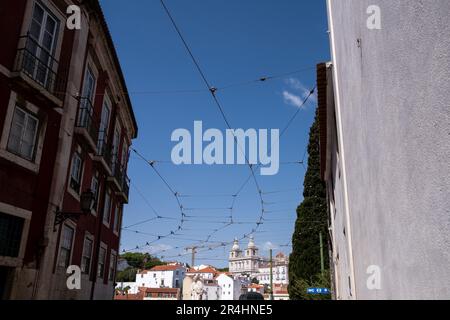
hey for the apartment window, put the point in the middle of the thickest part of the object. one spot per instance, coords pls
(101, 262)
(66, 246)
(117, 214)
(38, 58)
(115, 149)
(89, 87)
(107, 207)
(23, 134)
(112, 266)
(87, 256)
(124, 154)
(104, 125)
(95, 190)
(75, 174)
(10, 235)
(162, 282)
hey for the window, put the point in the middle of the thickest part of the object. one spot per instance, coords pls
(87, 256)
(89, 85)
(95, 190)
(101, 263)
(107, 207)
(104, 125)
(41, 44)
(117, 215)
(10, 235)
(115, 149)
(112, 266)
(162, 282)
(75, 174)
(23, 134)
(66, 246)
(124, 154)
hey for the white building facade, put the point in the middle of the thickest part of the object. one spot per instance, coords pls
(244, 261)
(231, 287)
(166, 276)
(250, 264)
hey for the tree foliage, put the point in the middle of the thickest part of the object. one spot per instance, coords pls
(304, 262)
(136, 261)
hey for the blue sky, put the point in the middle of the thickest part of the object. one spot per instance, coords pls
(234, 42)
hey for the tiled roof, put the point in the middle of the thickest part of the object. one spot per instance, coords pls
(224, 273)
(160, 290)
(171, 267)
(204, 270)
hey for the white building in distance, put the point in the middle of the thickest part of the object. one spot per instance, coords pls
(279, 271)
(165, 276)
(249, 263)
(244, 262)
(231, 287)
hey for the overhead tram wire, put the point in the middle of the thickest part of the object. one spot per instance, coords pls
(213, 91)
(218, 104)
(174, 193)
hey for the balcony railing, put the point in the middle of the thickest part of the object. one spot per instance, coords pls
(103, 150)
(39, 64)
(118, 173)
(85, 118)
(126, 186)
(121, 178)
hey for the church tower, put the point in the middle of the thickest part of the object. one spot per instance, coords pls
(245, 261)
(235, 256)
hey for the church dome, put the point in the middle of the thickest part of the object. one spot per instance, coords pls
(251, 243)
(235, 245)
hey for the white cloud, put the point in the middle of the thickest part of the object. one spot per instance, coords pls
(269, 245)
(296, 99)
(292, 99)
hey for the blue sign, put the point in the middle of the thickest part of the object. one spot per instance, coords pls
(318, 291)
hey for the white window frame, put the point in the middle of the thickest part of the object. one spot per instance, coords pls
(87, 237)
(117, 218)
(95, 177)
(104, 247)
(26, 215)
(72, 226)
(104, 127)
(12, 157)
(80, 182)
(28, 116)
(108, 193)
(112, 265)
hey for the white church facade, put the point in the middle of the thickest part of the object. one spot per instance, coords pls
(248, 263)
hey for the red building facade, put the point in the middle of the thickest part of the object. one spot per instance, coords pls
(66, 125)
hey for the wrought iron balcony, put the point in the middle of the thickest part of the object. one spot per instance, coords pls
(85, 124)
(103, 153)
(126, 187)
(38, 64)
(120, 180)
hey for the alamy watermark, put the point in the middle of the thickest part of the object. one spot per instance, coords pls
(374, 279)
(73, 281)
(74, 17)
(374, 19)
(227, 149)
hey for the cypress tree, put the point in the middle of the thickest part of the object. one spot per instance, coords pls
(304, 261)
